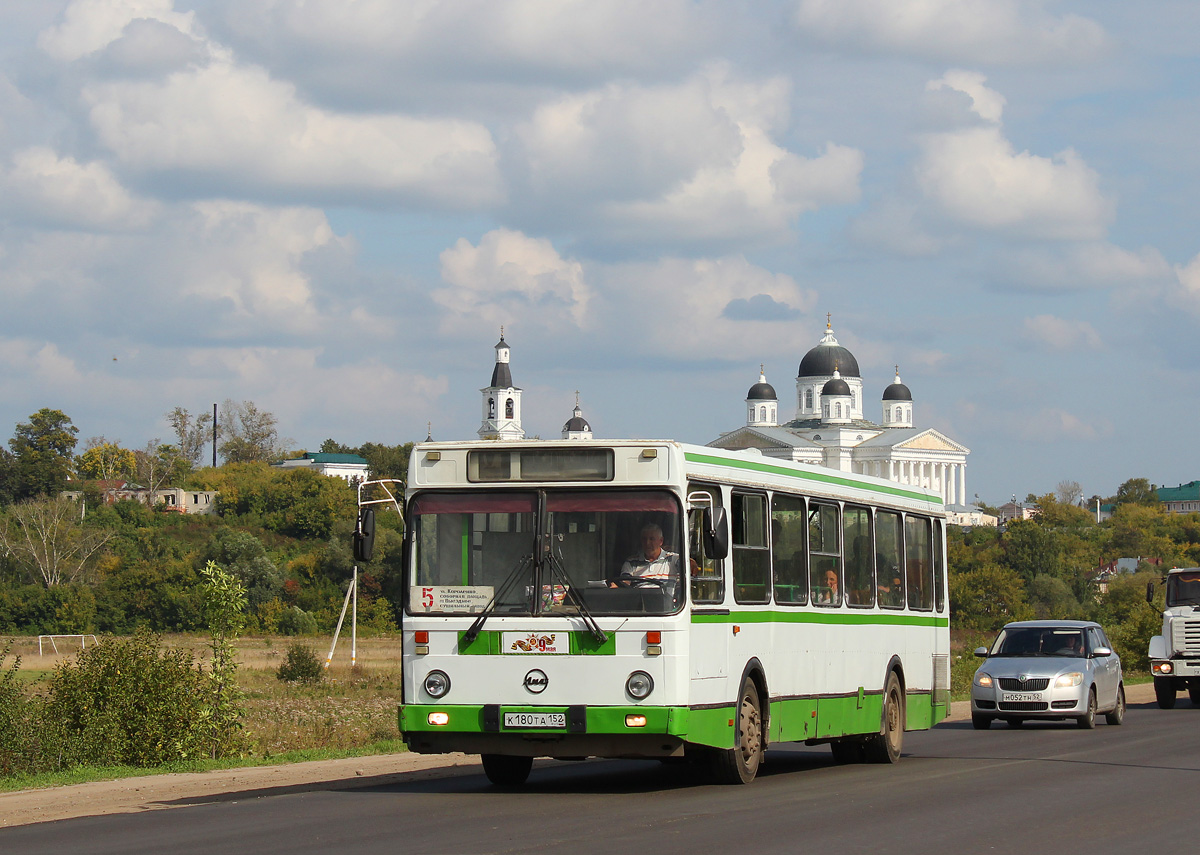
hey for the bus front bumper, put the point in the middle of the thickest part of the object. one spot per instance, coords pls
(564, 732)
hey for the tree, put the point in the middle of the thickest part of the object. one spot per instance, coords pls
(249, 434)
(105, 461)
(1068, 492)
(192, 433)
(47, 538)
(157, 465)
(1136, 491)
(42, 448)
(1030, 549)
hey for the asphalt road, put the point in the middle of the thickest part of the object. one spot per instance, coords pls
(1051, 787)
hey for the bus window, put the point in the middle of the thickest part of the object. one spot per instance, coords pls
(750, 554)
(888, 549)
(919, 561)
(939, 576)
(788, 565)
(824, 554)
(708, 580)
(860, 573)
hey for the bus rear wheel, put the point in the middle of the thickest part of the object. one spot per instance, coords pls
(504, 770)
(885, 746)
(739, 765)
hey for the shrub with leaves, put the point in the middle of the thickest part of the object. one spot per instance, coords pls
(295, 621)
(130, 701)
(18, 715)
(301, 665)
(224, 608)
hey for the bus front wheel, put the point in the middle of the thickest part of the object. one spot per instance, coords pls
(739, 765)
(506, 771)
(884, 747)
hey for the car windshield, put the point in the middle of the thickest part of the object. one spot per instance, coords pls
(1039, 641)
(1183, 589)
(548, 553)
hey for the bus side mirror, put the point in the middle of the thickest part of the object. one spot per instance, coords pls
(716, 533)
(364, 535)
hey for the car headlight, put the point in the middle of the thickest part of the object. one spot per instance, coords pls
(639, 685)
(1066, 681)
(983, 680)
(437, 684)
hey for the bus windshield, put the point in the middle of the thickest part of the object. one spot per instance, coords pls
(1183, 589)
(546, 553)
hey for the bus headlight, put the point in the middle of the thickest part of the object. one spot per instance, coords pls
(639, 685)
(437, 684)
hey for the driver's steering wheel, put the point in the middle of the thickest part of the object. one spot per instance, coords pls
(629, 580)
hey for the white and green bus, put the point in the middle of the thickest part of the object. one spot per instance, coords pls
(795, 604)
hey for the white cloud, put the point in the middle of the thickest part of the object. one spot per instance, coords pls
(239, 128)
(1053, 424)
(510, 276)
(987, 103)
(60, 192)
(90, 25)
(977, 178)
(688, 162)
(980, 31)
(1062, 334)
(1085, 266)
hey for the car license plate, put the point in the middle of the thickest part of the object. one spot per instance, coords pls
(1017, 697)
(535, 719)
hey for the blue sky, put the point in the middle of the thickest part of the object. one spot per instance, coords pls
(330, 209)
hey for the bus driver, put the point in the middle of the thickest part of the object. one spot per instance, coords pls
(651, 561)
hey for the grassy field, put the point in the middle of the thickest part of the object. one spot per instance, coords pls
(350, 708)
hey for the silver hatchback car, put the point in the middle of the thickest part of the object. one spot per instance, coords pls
(1048, 669)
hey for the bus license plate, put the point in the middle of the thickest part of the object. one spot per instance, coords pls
(535, 719)
(1017, 697)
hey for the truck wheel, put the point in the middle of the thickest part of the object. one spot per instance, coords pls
(1194, 691)
(1164, 692)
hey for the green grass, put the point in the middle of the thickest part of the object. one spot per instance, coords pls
(87, 774)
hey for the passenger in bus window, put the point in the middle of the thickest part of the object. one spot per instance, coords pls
(829, 594)
(890, 593)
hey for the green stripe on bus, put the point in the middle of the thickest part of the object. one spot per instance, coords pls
(837, 618)
(839, 480)
(490, 643)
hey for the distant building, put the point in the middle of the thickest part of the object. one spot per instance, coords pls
(171, 498)
(577, 426)
(1184, 499)
(1017, 511)
(830, 428)
(349, 467)
(970, 517)
(501, 400)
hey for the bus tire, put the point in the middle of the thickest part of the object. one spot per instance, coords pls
(504, 770)
(1164, 693)
(885, 746)
(739, 765)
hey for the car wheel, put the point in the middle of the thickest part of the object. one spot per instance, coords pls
(1088, 720)
(1194, 691)
(1117, 715)
(981, 722)
(504, 770)
(885, 747)
(1015, 722)
(739, 765)
(1164, 692)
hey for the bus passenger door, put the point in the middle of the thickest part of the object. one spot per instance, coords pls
(708, 645)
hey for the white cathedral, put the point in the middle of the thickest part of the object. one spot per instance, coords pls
(830, 429)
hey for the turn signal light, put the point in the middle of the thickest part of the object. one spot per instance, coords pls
(654, 637)
(439, 718)
(421, 636)
(635, 721)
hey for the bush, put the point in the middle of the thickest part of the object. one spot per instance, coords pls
(131, 702)
(301, 665)
(295, 621)
(18, 720)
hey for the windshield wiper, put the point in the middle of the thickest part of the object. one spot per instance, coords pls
(559, 573)
(473, 632)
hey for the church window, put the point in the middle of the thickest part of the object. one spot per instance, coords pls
(762, 414)
(851, 402)
(837, 410)
(826, 410)
(909, 414)
(491, 408)
(508, 408)
(808, 399)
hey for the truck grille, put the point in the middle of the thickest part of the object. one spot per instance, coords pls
(1185, 636)
(1012, 684)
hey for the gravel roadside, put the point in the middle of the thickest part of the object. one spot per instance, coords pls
(158, 792)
